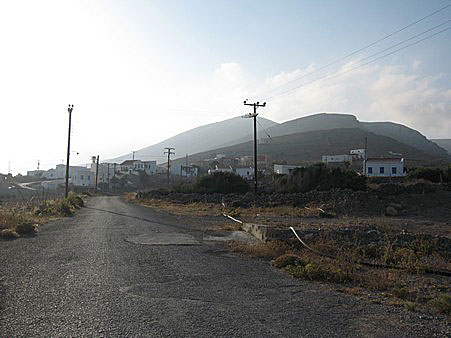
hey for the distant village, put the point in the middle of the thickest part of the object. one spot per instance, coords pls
(131, 173)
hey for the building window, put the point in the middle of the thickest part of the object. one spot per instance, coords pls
(370, 170)
(381, 170)
(81, 177)
(393, 170)
(89, 178)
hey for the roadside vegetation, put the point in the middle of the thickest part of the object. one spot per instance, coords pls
(345, 266)
(319, 177)
(396, 231)
(23, 219)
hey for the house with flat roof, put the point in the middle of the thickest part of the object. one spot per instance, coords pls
(384, 167)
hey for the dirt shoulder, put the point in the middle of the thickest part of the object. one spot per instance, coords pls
(345, 226)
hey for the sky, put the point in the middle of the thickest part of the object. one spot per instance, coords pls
(139, 72)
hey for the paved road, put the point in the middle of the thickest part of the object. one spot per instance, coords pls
(124, 270)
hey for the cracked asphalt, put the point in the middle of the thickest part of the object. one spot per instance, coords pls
(117, 269)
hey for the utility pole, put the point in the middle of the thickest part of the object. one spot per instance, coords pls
(254, 115)
(365, 156)
(133, 154)
(108, 177)
(69, 109)
(169, 152)
(97, 174)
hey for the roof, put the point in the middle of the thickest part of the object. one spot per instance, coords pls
(128, 162)
(385, 159)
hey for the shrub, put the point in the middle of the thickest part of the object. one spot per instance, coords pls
(320, 177)
(435, 175)
(25, 229)
(441, 304)
(220, 182)
(8, 234)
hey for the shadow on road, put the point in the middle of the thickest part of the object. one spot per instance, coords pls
(147, 220)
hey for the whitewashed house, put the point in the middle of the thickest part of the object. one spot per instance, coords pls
(246, 173)
(134, 166)
(358, 154)
(285, 169)
(83, 177)
(188, 171)
(336, 158)
(384, 167)
(220, 170)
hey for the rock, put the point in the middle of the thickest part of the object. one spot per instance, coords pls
(391, 211)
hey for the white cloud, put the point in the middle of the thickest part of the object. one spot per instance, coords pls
(376, 93)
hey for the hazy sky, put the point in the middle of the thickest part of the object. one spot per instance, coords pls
(141, 71)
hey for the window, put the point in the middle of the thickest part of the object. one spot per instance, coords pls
(89, 178)
(370, 170)
(381, 170)
(81, 177)
(393, 170)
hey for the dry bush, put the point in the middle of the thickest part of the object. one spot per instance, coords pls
(261, 249)
(8, 234)
(441, 304)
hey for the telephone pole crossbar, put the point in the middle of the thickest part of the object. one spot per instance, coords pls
(169, 151)
(255, 105)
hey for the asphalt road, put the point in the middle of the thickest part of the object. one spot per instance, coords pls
(117, 269)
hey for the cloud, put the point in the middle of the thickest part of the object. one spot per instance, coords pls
(375, 93)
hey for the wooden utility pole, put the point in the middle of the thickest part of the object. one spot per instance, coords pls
(365, 156)
(69, 109)
(108, 177)
(169, 152)
(254, 115)
(97, 174)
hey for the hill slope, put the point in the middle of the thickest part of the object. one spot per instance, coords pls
(325, 121)
(309, 146)
(199, 139)
(445, 143)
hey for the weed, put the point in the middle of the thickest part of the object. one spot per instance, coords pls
(410, 306)
(25, 229)
(8, 234)
(263, 250)
(441, 304)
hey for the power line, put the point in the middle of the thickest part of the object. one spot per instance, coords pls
(330, 76)
(356, 51)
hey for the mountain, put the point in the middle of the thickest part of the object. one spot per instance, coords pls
(326, 121)
(200, 139)
(308, 147)
(445, 143)
(405, 135)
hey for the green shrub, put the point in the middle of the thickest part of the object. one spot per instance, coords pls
(441, 304)
(25, 229)
(220, 182)
(320, 177)
(435, 175)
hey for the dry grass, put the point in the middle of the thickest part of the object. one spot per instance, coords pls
(262, 250)
(24, 219)
(408, 287)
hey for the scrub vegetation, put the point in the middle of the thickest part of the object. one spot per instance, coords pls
(22, 219)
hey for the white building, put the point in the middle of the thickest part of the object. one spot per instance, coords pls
(188, 171)
(220, 170)
(384, 167)
(246, 173)
(35, 173)
(83, 177)
(134, 166)
(358, 153)
(336, 158)
(284, 169)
